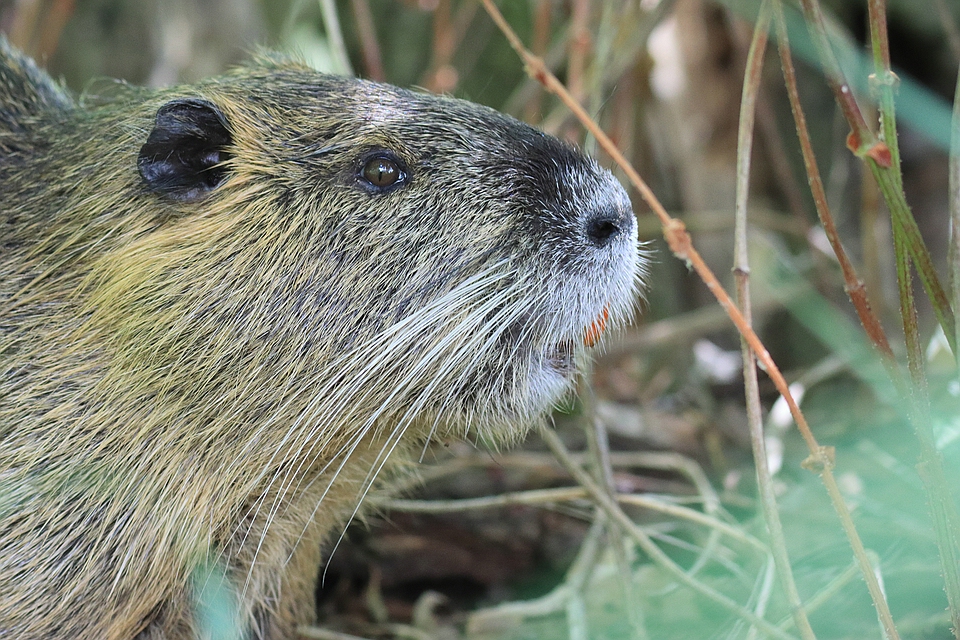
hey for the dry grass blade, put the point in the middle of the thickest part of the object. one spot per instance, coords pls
(643, 540)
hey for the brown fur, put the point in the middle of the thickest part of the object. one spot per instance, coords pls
(214, 378)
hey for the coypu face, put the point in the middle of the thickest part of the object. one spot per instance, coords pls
(228, 304)
(384, 253)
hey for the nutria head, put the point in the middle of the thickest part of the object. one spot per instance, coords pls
(399, 251)
(223, 307)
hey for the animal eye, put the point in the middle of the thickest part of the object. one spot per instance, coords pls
(382, 172)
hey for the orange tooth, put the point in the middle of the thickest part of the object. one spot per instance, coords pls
(592, 336)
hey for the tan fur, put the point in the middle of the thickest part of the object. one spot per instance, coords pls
(217, 381)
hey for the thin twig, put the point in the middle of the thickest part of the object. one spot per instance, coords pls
(882, 157)
(369, 45)
(547, 497)
(685, 327)
(661, 461)
(605, 502)
(853, 285)
(768, 499)
(876, 593)
(765, 591)
(954, 202)
(579, 46)
(826, 594)
(543, 17)
(821, 459)
(870, 228)
(942, 504)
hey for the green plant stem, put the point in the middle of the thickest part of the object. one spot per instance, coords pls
(331, 23)
(946, 523)
(768, 500)
(866, 316)
(821, 458)
(853, 284)
(883, 158)
(904, 224)
(883, 82)
(953, 258)
(942, 505)
(882, 162)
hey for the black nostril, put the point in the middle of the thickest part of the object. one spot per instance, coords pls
(602, 228)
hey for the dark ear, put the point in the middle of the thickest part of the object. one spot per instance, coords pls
(183, 154)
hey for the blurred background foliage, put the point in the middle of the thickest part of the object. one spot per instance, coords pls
(663, 77)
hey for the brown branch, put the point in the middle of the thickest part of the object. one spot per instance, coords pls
(369, 45)
(821, 459)
(853, 284)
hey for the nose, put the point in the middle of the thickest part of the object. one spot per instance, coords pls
(605, 226)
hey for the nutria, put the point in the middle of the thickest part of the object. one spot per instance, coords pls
(227, 308)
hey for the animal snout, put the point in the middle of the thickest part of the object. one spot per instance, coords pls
(605, 226)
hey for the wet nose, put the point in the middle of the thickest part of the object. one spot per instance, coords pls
(605, 226)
